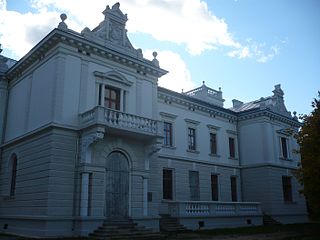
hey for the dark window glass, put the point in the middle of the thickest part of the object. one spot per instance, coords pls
(232, 148)
(167, 184)
(194, 185)
(167, 141)
(112, 98)
(213, 143)
(191, 139)
(13, 174)
(287, 188)
(234, 196)
(284, 147)
(214, 187)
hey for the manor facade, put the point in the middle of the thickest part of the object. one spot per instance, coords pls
(87, 135)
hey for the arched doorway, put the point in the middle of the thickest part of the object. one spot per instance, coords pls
(117, 186)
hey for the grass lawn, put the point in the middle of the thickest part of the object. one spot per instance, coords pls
(306, 231)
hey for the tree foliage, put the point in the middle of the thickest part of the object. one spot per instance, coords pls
(309, 172)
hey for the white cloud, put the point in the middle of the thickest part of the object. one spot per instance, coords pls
(182, 22)
(188, 23)
(179, 76)
(253, 50)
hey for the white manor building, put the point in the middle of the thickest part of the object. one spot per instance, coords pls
(87, 135)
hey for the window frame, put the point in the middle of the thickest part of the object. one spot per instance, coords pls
(213, 144)
(284, 151)
(232, 147)
(168, 134)
(108, 100)
(192, 139)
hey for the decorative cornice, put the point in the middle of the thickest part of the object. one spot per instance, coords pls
(86, 47)
(194, 104)
(255, 113)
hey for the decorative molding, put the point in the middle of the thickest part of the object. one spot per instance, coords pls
(231, 132)
(213, 127)
(87, 140)
(113, 76)
(191, 122)
(168, 115)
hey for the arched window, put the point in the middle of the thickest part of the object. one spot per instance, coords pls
(13, 163)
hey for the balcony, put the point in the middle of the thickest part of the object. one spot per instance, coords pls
(121, 122)
(183, 209)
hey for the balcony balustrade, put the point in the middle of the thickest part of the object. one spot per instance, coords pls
(120, 121)
(212, 208)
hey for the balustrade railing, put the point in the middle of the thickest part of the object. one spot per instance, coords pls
(120, 120)
(212, 208)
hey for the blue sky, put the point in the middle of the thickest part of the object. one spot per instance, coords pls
(243, 46)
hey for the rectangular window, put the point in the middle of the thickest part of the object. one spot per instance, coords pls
(213, 143)
(167, 184)
(167, 141)
(214, 187)
(287, 188)
(13, 175)
(232, 148)
(112, 98)
(194, 186)
(191, 139)
(234, 195)
(90, 194)
(284, 147)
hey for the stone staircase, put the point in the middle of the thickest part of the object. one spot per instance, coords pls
(268, 220)
(170, 224)
(123, 229)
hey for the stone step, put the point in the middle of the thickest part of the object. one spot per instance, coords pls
(123, 229)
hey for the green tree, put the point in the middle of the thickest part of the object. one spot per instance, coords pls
(309, 172)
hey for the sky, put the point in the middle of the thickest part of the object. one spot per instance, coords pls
(243, 46)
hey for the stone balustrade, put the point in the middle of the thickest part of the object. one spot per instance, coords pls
(120, 120)
(212, 208)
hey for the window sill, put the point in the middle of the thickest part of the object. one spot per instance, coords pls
(192, 151)
(214, 155)
(233, 158)
(168, 147)
(286, 159)
(289, 202)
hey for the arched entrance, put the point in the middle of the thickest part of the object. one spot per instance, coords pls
(117, 186)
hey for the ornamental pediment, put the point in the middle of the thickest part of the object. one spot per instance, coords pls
(113, 76)
(111, 32)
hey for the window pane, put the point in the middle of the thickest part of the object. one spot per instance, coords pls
(194, 185)
(234, 197)
(287, 188)
(213, 143)
(231, 148)
(191, 139)
(214, 187)
(13, 160)
(167, 141)
(167, 184)
(112, 98)
(284, 147)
